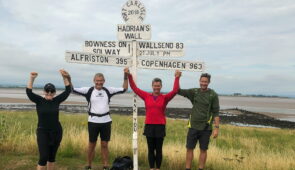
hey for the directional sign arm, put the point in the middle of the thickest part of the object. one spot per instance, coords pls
(108, 48)
(160, 49)
(170, 65)
(90, 58)
(160, 53)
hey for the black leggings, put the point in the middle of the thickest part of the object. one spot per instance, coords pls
(48, 143)
(155, 144)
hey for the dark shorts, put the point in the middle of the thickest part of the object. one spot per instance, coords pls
(102, 129)
(193, 136)
(154, 130)
(48, 143)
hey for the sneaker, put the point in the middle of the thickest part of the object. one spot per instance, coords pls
(87, 168)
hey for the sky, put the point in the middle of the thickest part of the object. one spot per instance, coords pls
(248, 46)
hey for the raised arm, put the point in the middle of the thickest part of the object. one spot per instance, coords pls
(142, 94)
(66, 77)
(67, 81)
(33, 76)
(175, 89)
(32, 96)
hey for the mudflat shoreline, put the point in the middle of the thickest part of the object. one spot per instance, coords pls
(239, 110)
(234, 116)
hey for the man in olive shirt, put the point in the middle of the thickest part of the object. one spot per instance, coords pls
(205, 109)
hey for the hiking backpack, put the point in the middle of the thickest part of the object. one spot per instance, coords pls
(122, 163)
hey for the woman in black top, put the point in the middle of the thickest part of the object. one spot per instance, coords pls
(49, 131)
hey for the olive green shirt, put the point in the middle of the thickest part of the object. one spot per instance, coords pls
(201, 114)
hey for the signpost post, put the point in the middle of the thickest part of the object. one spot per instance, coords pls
(134, 108)
(125, 53)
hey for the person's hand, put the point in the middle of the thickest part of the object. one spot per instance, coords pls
(64, 73)
(177, 73)
(126, 71)
(215, 133)
(33, 75)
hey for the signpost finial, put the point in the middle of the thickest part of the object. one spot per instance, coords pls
(133, 12)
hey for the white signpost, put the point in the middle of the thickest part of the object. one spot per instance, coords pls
(133, 12)
(91, 58)
(159, 53)
(148, 45)
(124, 53)
(160, 49)
(133, 32)
(170, 65)
(112, 48)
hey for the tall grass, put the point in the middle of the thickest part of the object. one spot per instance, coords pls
(240, 148)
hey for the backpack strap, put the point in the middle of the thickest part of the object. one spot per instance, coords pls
(88, 94)
(88, 97)
(98, 115)
(108, 93)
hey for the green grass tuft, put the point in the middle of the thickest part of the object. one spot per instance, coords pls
(240, 148)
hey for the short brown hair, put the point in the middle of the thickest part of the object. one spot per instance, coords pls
(98, 75)
(207, 75)
(157, 80)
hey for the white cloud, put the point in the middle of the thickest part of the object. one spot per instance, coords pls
(247, 45)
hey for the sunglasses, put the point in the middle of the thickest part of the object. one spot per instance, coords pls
(50, 90)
